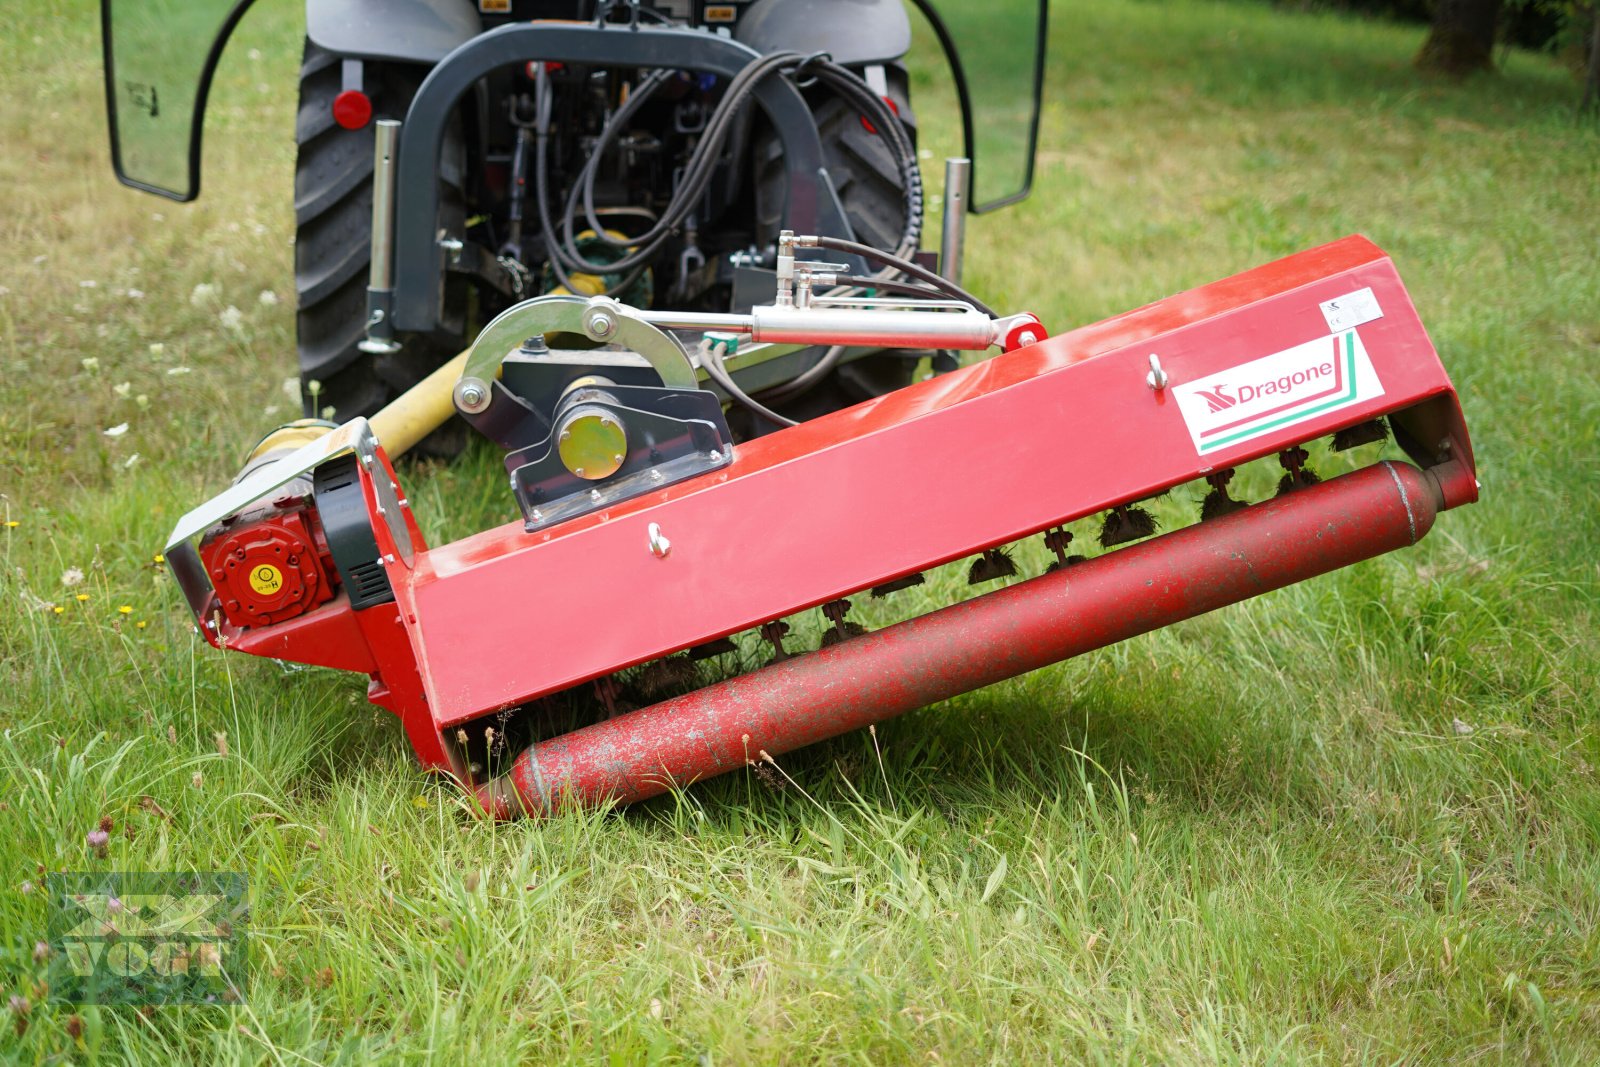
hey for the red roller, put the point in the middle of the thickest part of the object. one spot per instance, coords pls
(985, 640)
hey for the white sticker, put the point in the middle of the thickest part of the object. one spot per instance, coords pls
(1267, 394)
(1351, 310)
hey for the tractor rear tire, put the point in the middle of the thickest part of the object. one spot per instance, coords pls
(333, 236)
(867, 180)
(859, 161)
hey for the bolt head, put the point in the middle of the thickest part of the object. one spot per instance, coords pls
(472, 396)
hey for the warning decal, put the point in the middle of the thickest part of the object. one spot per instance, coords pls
(266, 579)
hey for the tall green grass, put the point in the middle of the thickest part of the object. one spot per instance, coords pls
(1355, 820)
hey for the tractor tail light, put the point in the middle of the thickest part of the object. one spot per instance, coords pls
(352, 109)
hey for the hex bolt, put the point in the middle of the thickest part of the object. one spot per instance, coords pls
(472, 395)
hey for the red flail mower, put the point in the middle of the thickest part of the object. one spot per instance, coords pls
(652, 535)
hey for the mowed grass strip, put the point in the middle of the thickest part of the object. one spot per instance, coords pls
(1353, 821)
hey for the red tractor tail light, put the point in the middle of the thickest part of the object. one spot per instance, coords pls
(866, 123)
(352, 109)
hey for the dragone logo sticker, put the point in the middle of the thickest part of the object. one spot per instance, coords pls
(1266, 394)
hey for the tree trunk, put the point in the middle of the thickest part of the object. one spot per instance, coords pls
(1591, 84)
(1461, 41)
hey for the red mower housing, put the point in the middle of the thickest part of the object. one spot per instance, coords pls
(1323, 344)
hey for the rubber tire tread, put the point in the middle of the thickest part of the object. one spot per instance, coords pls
(868, 184)
(859, 162)
(333, 233)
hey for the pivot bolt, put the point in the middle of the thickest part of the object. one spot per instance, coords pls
(472, 395)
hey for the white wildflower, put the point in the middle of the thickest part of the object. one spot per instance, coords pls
(291, 389)
(158, 216)
(157, 348)
(327, 412)
(135, 294)
(116, 431)
(270, 410)
(142, 400)
(123, 389)
(90, 363)
(202, 294)
(231, 318)
(128, 463)
(38, 261)
(4, 290)
(268, 297)
(72, 576)
(258, 229)
(254, 54)
(173, 372)
(88, 283)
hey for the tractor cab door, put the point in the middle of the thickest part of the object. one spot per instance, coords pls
(996, 50)
(159, 58)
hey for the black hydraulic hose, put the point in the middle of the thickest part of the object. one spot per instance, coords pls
(906, 266)
(561, 243)
(889, 286)
(541, 195)
(703, 160)
(696, 177)
(712, 362)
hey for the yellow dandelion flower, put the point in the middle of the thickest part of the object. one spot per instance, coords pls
(125, 609)
(12, 524)
(83, 597)
(57, 609)
(158, 558)
(140, 624)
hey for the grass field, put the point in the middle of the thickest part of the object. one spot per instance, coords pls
(1354, 821)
